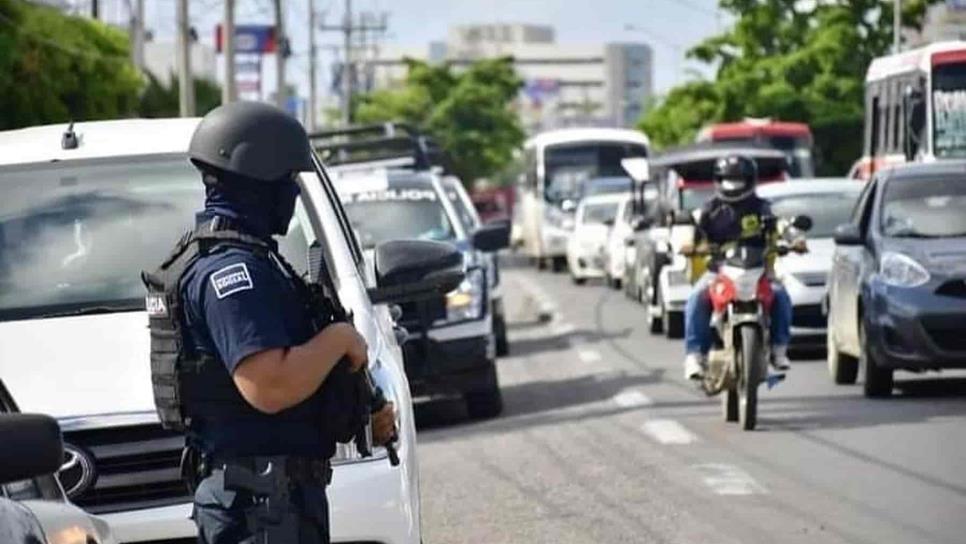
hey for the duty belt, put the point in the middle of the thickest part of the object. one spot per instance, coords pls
(298, 469)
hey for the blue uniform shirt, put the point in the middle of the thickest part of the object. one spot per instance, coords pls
(723, 222)
(236, 304)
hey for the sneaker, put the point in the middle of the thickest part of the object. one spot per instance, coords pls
(694, 366)
(779, 358)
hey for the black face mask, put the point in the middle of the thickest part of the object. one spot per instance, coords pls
(285, 197)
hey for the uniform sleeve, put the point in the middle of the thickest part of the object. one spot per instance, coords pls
(701, 229)
(241, 304)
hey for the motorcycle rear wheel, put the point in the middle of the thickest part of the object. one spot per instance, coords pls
(750, 357)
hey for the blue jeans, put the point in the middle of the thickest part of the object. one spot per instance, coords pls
(697, 317)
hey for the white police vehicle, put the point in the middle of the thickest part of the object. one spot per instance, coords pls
(391, 183)
(33, 507)
(84, 211)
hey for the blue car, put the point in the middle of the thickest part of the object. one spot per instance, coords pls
(897, 289)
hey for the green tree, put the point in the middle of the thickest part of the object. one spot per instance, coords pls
(791, 60)
(55, 68)
(467, 111)
(160, 100)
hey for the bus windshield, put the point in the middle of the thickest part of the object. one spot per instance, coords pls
(949, 109)
(569, 166)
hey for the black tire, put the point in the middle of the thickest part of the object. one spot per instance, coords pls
(558, 264)
(844, 369)
(729, 405)
(673, 323)
(749, 363)
(578, 281)
(499, 332)
(614, 283)
(540, 263)
(656, 322)
(484, 404)
(878, 380)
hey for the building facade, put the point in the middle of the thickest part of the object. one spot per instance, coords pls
(604, 84)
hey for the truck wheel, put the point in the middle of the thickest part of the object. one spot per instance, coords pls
(499, 331)
(844, 369)
(673, 324)
(484, 404)
(878, 380)
(558, 264)
(655, 322)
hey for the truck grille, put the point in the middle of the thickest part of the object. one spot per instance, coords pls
(135, 467)
(808, 316)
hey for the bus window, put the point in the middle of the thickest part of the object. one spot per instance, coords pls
(568, 166)
(949, 109)
(874, 129)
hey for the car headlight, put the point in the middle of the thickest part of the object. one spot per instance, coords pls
(900, 270)
(466, 301)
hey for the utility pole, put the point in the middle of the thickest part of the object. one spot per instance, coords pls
(137, 33)
(280, 52)
(229, 93)
(897, 26)
(95, 9)
(186, 94)
(347, 28)
(313, 53)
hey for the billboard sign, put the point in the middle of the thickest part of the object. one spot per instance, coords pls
(250, 39)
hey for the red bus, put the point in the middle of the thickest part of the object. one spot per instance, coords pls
(794, 139)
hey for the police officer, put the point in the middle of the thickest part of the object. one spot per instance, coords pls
(734, 213)
(252, 365)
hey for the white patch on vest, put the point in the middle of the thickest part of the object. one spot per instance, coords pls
(155, 306)
(231, 279)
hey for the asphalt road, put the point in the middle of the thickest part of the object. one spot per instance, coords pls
(602, 440)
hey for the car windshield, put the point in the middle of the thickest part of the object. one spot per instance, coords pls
(827, 210)
(925, 208)
(74, 237)
(949, 109)
(398, 214)
(595, 214)
(605, 186)
(693, 198)
(463, 213)
(569, 166)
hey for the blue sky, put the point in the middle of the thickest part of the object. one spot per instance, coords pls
(669, 26)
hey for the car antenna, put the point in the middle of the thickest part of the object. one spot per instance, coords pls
(69, 140)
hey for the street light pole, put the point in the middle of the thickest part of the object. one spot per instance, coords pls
(313, 54)
(280, 55)
(228, 92)
(897, 26)
(186, 99)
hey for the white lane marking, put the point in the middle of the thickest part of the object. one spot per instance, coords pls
(668, 431)
(632, 398)
(729, 480)
(588, 356)
(562, 328)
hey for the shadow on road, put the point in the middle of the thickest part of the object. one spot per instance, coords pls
(538, 403)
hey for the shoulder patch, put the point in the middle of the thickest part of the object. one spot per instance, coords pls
(231, 279)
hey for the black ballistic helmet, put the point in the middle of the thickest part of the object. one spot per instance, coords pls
(735, 177)
(251, 140)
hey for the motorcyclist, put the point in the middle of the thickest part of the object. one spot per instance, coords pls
(734, 214)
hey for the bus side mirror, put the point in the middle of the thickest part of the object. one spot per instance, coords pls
(914, 106)
(638, 168)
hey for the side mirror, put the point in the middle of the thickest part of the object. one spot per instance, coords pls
(638, 168)
(682, 217)
(802, 223)
(492, 237)
(609, 222)
(568, 205)
(409, 270)
(848, 235)
(641, 223)
(31, 446)
(630, 241)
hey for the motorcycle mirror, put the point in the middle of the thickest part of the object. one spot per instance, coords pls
(802, 223)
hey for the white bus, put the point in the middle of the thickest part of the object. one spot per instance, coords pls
(915, 107)
(558, 165)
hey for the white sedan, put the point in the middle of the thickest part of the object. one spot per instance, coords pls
(829, 203)
(587, 244)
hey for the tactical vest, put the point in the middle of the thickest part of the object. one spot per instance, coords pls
(189, 384)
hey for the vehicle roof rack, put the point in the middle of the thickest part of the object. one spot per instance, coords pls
(386, 142)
